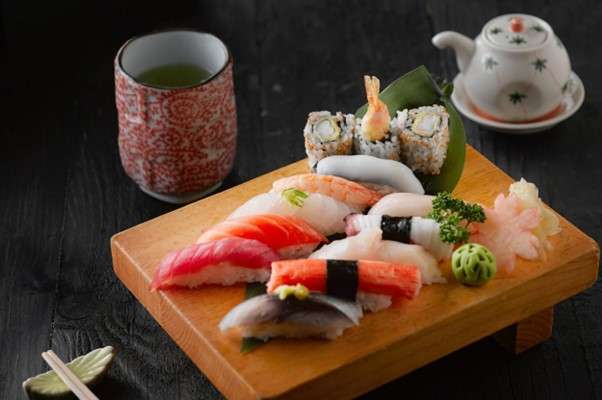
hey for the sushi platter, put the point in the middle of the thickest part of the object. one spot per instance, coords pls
(392, 245)
(386, 345)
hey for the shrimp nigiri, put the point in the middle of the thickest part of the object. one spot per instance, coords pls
(375, 123)
(289, 236)
(343, 190)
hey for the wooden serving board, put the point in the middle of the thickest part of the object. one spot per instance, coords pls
(387, 344)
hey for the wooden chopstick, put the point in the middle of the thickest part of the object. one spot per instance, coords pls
(73, 383)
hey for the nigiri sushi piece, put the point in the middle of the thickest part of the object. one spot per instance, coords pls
(507, 231)
(403, 205)
(289, 236)
(371, 169)
(325, 214)
(371, 283)
(417, 230)
(368, 245)
(222, 262)
(313, 315)
(343, 190)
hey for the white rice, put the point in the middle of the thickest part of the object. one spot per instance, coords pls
(388, 147)
(224, 274)
(373, 302)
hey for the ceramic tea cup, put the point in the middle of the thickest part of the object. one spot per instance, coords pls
(177, 114)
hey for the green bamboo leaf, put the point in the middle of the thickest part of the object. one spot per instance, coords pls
(417, 88)
(88, 368)
(251, 290)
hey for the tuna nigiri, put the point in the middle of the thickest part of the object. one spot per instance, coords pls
(224, 262)
(291, 237)
(418, 230)
(323, 213)
(371, 283)
(269, 315)
(368, 245)
(349, 192)
(403, 205)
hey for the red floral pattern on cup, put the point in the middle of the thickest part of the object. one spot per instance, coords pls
(176, 140)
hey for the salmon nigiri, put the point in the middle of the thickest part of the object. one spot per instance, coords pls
(341, 189)
(224, 262)
(289, 236)
(371, 283)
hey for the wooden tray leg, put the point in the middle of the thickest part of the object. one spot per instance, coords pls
(527, 333)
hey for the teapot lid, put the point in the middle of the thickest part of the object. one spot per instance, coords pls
(517, 32)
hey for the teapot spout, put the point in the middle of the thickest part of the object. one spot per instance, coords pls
(462, 45)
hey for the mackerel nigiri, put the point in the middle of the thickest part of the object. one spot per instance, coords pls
(325, 214)
(371, 283)
(417, 230)
(349, 192)
(224, 262)
(368, 245)
(289, 236)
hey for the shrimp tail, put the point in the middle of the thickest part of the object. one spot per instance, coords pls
(372, 84)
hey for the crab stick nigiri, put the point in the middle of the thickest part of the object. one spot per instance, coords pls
(371, 283)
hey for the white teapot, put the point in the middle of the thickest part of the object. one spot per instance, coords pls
(516, 70)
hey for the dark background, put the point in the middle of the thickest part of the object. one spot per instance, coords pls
(64, 193)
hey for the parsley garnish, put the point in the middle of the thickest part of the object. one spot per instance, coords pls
(454, 216)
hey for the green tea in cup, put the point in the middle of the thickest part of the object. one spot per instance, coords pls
(174, 75)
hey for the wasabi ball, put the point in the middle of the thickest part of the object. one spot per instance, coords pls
(473, 264)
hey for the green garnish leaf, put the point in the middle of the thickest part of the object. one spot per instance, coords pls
(88, 368)
(294, 196)
(251, 290)
(454, 216)
(250, 343)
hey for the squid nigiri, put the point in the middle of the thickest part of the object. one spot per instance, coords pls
(289, 236)
(371, 283)
(403, 205)
(224, 262)
(343, 190)
(325, 214)
(371, 169)
(368, 245)
(311, 315)
(418, 230)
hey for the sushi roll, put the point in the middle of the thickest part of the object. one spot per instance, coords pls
(373, 135)
(417, 230)
(222, 262)
(424, 136)
(291, 313)
(327, 135)
(371, 283)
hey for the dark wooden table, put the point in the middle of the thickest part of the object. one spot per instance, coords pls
(64, 192)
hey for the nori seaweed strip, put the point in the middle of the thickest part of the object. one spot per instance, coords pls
(342, 279)
(396, 228)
